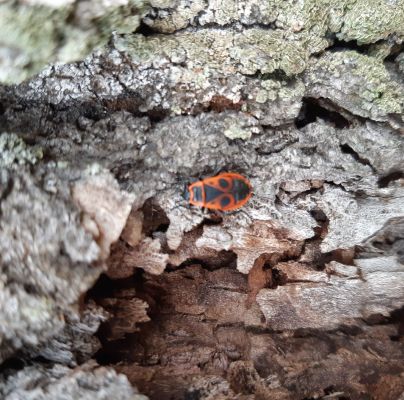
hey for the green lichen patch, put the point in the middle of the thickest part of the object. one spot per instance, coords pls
(247, 52)
(14, 152)
(368, 21)
(267, 51)
(240, 128)
(356, 82)
(289, 15)
(178, 17)
(29, 39)
(275, 102)
(295, 31)
(299, 29)
(35, 35)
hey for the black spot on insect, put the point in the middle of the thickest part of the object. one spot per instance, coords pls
(240, 189)
(225, 201)
(223, 183)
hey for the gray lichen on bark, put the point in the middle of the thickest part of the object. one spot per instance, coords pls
(51, 255)
(31, 284)
(61, 382)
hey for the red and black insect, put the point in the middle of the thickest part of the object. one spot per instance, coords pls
(224, 192)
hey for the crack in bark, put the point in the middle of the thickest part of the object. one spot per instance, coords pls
(347, 149)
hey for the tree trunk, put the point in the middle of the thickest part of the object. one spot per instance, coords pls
(112, 285)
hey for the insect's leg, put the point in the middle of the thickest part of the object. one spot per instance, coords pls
(206, 212)
(216, 215)
(238, 212)
(249, 219)
(217, 170)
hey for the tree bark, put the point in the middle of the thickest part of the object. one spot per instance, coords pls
(112, 285)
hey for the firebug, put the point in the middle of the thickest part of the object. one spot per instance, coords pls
(224, 192)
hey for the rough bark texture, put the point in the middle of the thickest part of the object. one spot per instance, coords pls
(298, 295)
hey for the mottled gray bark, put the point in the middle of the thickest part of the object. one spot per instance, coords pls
(299, 294)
